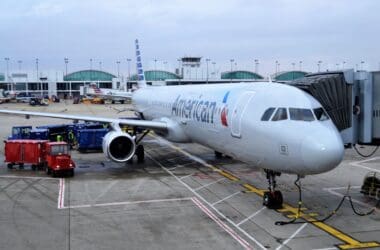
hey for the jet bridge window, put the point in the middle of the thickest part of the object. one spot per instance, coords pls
(280, 114)
(301, 115)
(267, 114)
(321, 114)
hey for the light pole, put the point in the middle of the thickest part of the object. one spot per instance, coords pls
(276, 69)
(337, 66)
(343, 64)
(300, 63)
(155, 68)
(129, 68)
(319, 66)
(37, 68)
(231, 60)
(293, 66)
(19, 64)
(7, 63)
(207, 60)
(118, 68)
(100, 65)
(213, 69)
(66, 62)
(362, 65)
(165, 63)
(256, 66)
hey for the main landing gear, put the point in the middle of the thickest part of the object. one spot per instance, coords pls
(272, 198)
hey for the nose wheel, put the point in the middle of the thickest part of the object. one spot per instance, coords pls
(272, 198)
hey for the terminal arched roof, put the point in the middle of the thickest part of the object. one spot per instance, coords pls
(289, 75)
(157, 75)
(89, 75)
(241, 74)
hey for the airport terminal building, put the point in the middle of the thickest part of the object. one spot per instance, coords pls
(68, 85)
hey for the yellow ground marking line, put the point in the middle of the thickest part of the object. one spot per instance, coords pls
(350, 243)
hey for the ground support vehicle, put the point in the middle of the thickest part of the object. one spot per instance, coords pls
(39, 134)
(54, 157)
(56, 131)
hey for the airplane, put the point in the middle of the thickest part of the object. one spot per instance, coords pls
(114, 95)
(272, 126)
(3, 96)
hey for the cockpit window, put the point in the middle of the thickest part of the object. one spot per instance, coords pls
(280, 114)
(321, 114)
(267, 114)
(301, 115)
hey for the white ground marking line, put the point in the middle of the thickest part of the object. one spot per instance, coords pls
(205, 201)
(327, 248)
(180, 166)
(292, 236)
(27, 177)
(61, 194)
(358, 164)
(251, 216)
(224, 226)
(226, 198)
(209, 184)
(183, 177)
(127, 203)
(331, 191)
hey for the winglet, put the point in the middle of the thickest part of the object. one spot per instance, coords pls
(141, 83)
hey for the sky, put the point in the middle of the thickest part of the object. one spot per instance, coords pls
(286, 31)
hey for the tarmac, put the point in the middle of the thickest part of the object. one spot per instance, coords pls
(181, 197)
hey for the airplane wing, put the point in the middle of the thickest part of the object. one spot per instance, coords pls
(155, 125)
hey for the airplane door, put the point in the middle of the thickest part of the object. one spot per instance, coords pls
(238, 111)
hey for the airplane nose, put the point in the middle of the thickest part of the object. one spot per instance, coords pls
(322, 153)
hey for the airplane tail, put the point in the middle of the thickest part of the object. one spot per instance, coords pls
(141, 83)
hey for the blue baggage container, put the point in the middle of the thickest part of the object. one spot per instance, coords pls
(91, 139)
(39, 134)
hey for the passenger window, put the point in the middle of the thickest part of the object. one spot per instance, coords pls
(321, 114)
(301, 115)
(267, 114)
(280, 114)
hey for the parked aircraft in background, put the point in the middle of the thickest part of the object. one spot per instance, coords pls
(276, 127)
(114, 95)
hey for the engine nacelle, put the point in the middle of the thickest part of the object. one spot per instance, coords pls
(119, 146)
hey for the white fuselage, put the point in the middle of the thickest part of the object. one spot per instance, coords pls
(227, 118)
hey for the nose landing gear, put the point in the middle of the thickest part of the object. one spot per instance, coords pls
(272, 198)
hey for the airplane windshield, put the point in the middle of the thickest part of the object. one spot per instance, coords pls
(321, 114)
(280, 114)
(301, 115)
(267, 114)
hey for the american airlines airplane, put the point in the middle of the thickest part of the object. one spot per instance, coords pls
(276, 127)
(109, 94)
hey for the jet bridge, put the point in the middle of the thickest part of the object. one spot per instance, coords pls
(352, 99)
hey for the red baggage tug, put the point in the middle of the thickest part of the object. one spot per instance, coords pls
(54, 157)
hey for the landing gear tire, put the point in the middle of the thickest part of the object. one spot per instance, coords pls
(140, 153)
(272, 198)
(218, 155)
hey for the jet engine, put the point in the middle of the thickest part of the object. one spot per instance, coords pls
(119, 146)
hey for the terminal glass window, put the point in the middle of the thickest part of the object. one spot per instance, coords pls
(301, 114)
(267, 114)
(321, 114)
(280, 115)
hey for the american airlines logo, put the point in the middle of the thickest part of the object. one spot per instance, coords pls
(197, 110)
